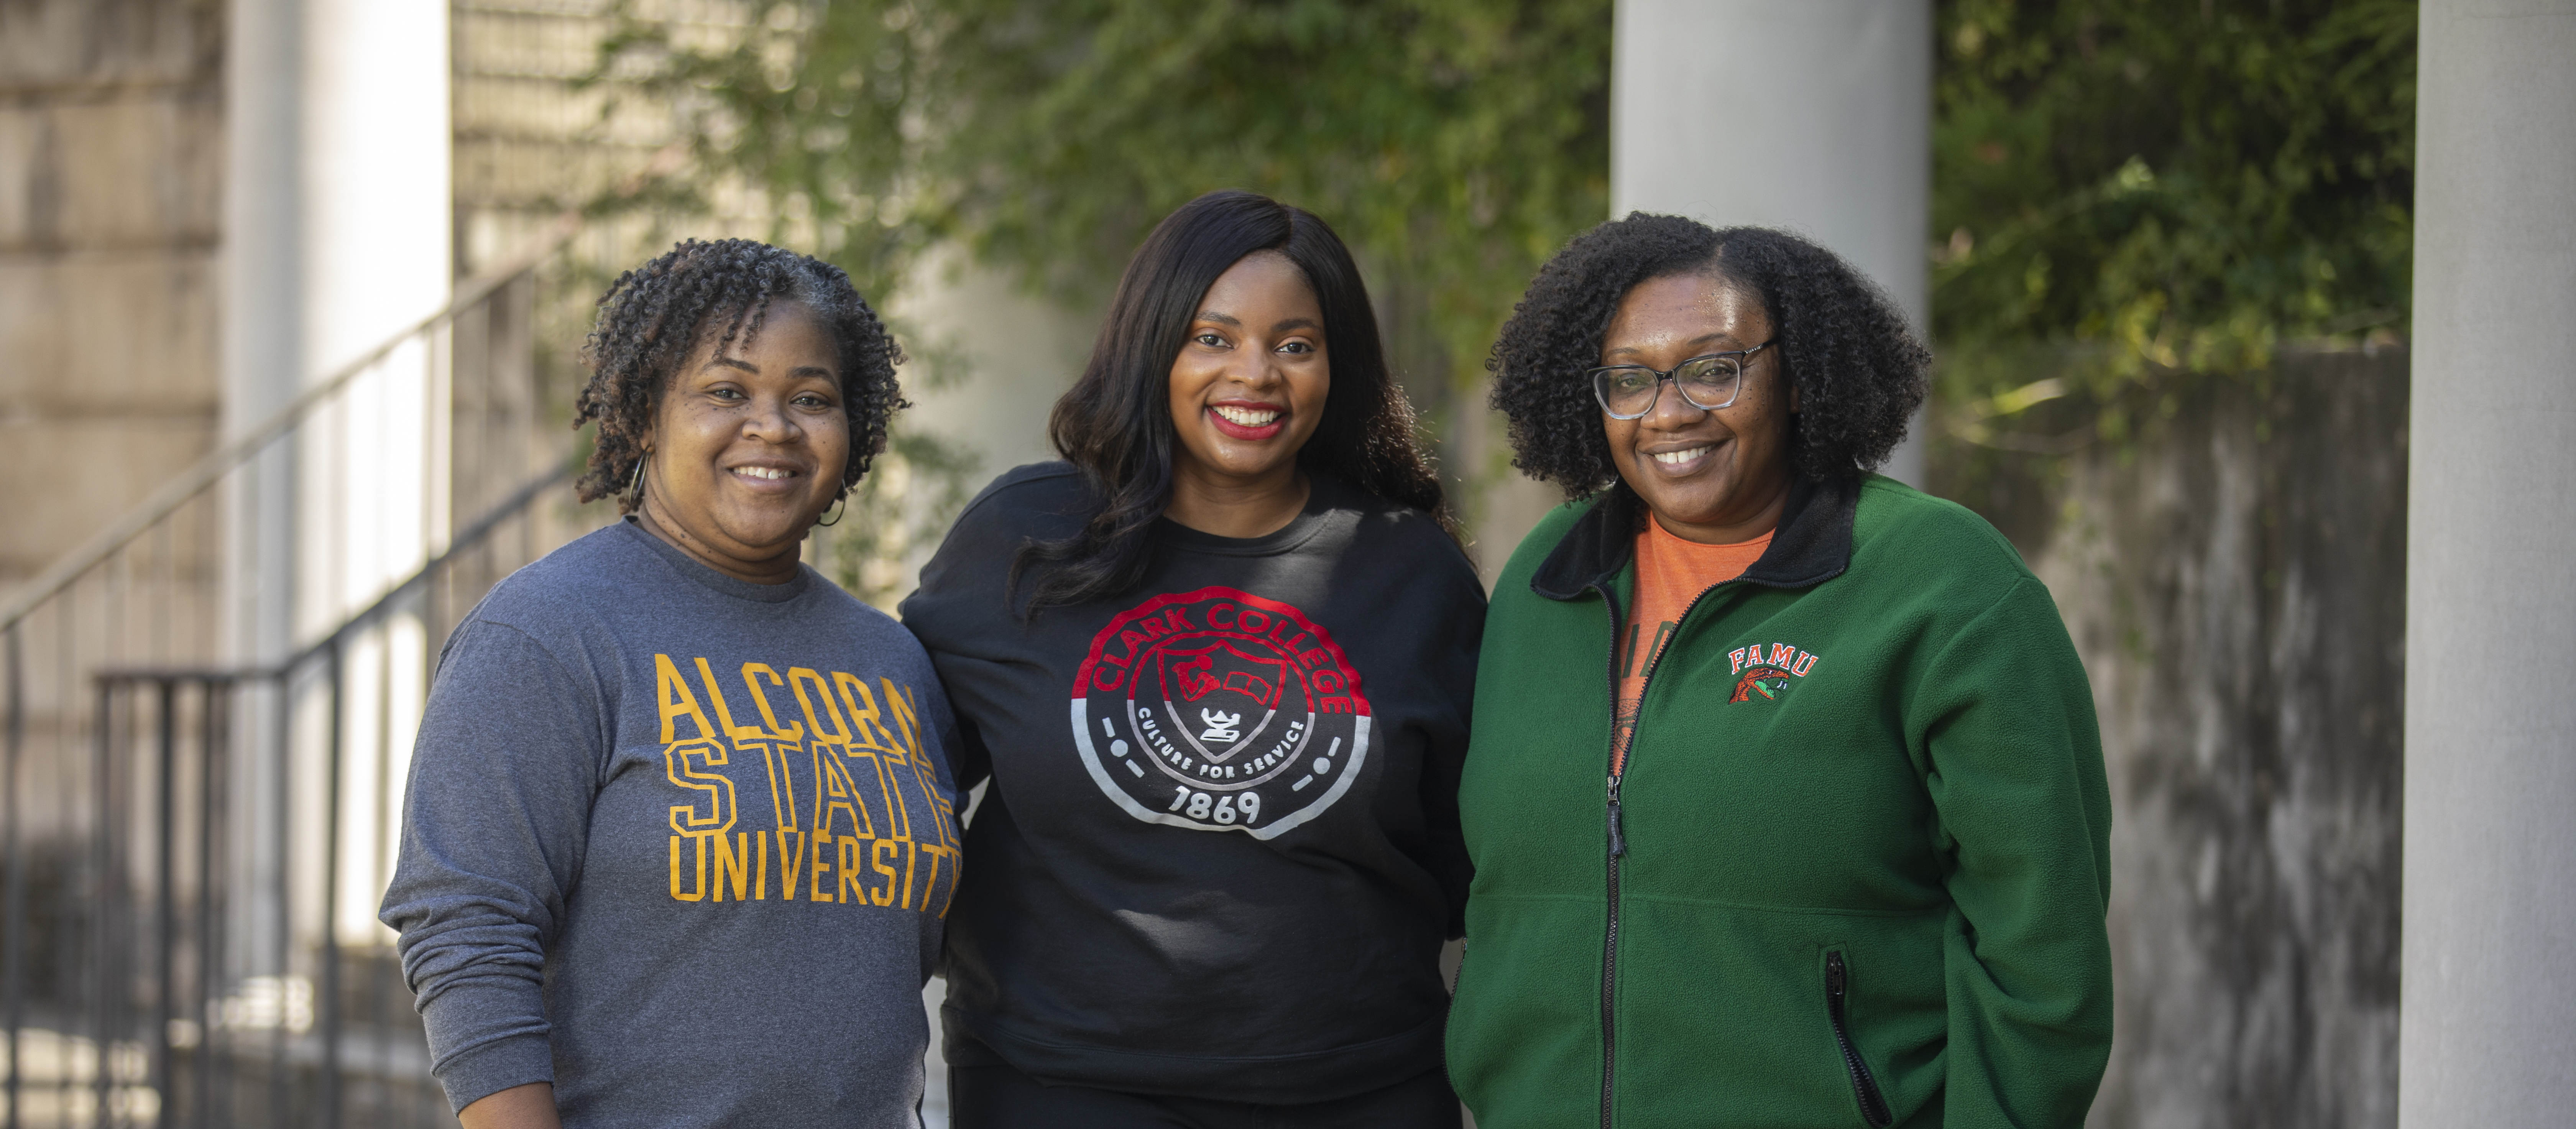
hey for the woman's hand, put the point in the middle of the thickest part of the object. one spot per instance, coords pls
(520, 1107)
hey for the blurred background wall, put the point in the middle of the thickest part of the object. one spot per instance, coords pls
(111, 138)
(2164, 254)
(2234, 581)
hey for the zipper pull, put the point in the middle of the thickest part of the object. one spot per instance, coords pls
(1618, 836)
(1834, 976)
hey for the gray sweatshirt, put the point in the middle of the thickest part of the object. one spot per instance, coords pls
(678, 843)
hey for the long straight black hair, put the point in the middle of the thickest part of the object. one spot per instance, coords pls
(1115, 425)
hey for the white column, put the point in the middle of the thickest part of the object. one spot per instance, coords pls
(1809, 115)
(336, 240)
(376, 258)
(336, 236)
(262, 272)
(2487, 1034)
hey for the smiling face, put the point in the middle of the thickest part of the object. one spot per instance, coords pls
(1716, 477)
(747, 446)
(1249, 386)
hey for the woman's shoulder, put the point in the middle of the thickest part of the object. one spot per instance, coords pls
(552, 604)
(609, 583)
(1931, 538)
(1402, 533)
(961, 584)
(1045, 501)
(827, 602)
(585, 573)
(828, 609)
(1541, 542)
(1033, 491)
(609, 575)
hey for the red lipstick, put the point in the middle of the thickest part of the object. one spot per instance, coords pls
(1234, 430)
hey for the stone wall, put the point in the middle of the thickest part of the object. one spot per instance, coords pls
(2234, 577)
(111, 165)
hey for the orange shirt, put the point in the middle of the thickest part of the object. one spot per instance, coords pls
(1671, 572)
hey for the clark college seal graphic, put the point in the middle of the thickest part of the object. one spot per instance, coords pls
(1218, 710)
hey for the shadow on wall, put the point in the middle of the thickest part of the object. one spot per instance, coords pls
(2234, 577)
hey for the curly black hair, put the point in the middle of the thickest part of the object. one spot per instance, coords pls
(653, 316)
(1859, 369)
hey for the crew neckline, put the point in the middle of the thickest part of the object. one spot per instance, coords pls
(1325, 496)
(718, 582)
(1657, 525)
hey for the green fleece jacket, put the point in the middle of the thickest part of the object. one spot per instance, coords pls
(1855, 871)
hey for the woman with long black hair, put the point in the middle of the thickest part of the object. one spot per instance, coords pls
(1216, 665)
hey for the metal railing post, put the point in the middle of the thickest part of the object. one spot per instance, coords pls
(279, 1108)
(92, 953)
(215, 723)
(330, 989)
(13, 917)
(165, 903)
(102, 907)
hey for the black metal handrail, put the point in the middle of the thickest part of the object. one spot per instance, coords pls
(152, 1014)
(168, 822)
(203, 474)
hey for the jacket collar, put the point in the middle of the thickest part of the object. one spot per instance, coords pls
(1812, 545)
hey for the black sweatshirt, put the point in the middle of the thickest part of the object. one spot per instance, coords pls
(1228, 871)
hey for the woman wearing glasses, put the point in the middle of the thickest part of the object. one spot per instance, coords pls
(1850, 863)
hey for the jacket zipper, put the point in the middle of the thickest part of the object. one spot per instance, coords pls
(1617, 826)
(1873, 1105)
(1618, 848)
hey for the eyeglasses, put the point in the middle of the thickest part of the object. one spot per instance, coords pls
(1708, 382)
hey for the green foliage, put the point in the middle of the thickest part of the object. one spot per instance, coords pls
(1454, 143)
(2136, 204)
(906, 503)
(2129, 195)
(2166, 186)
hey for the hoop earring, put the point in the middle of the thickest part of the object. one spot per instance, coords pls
(840, 509)
(635, 489)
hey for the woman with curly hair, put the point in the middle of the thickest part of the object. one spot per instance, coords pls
(1214, 893)
(1850, 863)
(678, 839)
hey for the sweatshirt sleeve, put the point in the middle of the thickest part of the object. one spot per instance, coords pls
(1445, 757)
(495, 821)
(958, 615)
(2015, 770)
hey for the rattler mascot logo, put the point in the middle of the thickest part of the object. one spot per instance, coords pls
(1763, 677)
(1768, 681)
(1218, 710)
